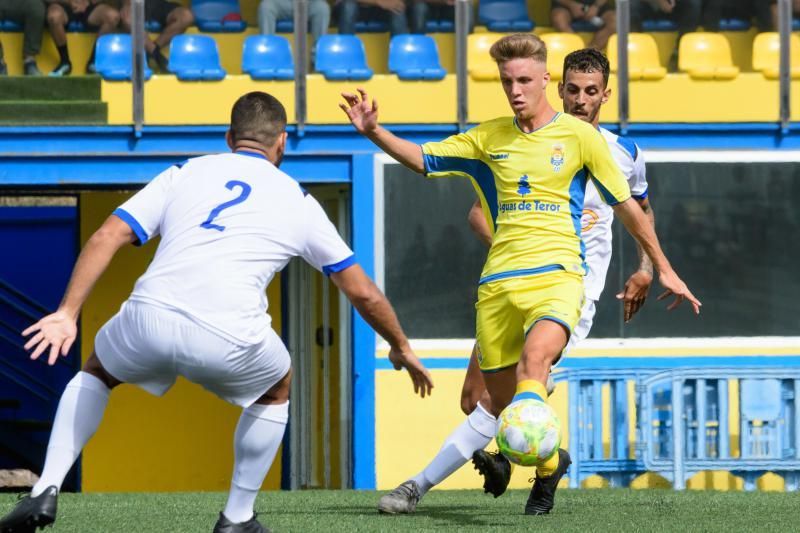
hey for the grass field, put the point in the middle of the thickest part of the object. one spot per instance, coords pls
(334, 511)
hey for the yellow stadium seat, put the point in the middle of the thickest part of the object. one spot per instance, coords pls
(766, 55)
(706, 56)
(643, 62)
(558, 46)
(480, 64)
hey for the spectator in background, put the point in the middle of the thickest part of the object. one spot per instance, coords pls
(29, 13)
(599, 13)
(424, 10)
(686, 14)
(174, 19)
(393, 12)
(271, 11)
(101, 17)
(765, 12)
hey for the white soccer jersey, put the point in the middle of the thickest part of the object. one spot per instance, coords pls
(598, 216)
(228, 223)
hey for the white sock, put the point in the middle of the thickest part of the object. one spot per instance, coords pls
(258, 435)
(472, 435)
(80, 411)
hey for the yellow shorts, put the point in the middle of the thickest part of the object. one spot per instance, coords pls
(508, 309)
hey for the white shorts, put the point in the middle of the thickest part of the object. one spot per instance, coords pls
(582, 329)
(151, 346)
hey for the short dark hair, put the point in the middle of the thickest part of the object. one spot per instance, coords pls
(587, 60)
(259, 117)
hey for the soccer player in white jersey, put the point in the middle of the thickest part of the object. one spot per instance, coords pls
(583, 92)
(228, 223)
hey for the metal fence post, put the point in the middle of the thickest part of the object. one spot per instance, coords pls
(785, 31)
(623, 28)
(137, 77)
(300, 63)
(463, 8)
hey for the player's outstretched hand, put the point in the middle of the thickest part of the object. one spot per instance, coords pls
(361, 112)
(406, 358)
(674, 286)
(56, 331)
(635, 292)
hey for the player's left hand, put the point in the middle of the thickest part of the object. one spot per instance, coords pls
(406, 358)
(676, 287)
(56, 331)
(635, 292)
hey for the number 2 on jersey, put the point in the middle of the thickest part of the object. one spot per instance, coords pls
(208, 224)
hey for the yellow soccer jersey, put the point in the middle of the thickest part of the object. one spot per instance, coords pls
(531, 187)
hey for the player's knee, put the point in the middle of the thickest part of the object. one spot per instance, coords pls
(278, 393)
(468, 403)
(56, 16)
(111, 18)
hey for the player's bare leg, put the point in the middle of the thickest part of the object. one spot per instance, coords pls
(79, 413)
(473, 434)
(258, 436)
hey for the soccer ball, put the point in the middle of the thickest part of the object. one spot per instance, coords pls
(528, 432)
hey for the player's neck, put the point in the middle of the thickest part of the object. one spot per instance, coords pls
(543, 116)
(254, 149)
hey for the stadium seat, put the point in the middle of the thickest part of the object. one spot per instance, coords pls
(480, 65)
(583, 26)
(558, 46)
(643, 61)
(152, 26)
(195, 58)
(284, 26)
(734, 25)
(113, 59)
(766, 55)
(658, 25)
(371, 26)
(218, 16)
(706, 56)
(415, 57)
(10, 25)
(440, 26)
(505, 15)
(342, 57)
(267, 57)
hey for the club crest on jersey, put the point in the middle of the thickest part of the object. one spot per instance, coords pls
(524, 186)
(557, 157)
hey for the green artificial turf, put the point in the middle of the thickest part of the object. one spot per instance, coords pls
(45, 88)
(30, 113)
(617, 510)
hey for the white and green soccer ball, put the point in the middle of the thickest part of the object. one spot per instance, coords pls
(528, 432)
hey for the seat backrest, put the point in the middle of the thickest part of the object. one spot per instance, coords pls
(266, 51)
(559, 45)
(767, 51)
(642, 51)
(193, 52)
(413, 52)
(502, 11)
(113, 51)
(214, 10)
(340, 52)
(704, 50)
(478, 45)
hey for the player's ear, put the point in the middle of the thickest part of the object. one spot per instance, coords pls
(606, 96)
(229, 139)
(561, 90)
(545, 80)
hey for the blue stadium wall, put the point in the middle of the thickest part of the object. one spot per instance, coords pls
(101, 160)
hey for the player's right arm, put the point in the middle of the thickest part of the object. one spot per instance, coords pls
(478, 224)
(364, 116)
(58, 330)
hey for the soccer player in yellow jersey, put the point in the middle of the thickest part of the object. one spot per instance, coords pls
(530, 171)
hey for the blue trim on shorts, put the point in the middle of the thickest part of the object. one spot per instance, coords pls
(520, 273)
(553, 319)
(141, 234)
(526, 396)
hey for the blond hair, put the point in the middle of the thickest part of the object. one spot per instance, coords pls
(519, 46)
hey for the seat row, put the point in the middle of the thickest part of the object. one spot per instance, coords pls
(703, 56)
(269, 57)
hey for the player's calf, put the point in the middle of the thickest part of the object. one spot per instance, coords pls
(31, 512)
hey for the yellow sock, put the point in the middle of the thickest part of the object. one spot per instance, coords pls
(547, 468)
(530, 389)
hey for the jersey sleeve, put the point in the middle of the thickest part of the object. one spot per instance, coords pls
(638, 178)
(456, 155)
(144, 211)
(325, 249)
(605, 173)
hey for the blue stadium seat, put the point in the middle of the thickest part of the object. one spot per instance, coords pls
(10, 25)
(505, 16)
(194, 58)
(658, 25)
(285, 26)
(267, 57)
(440, 26)
(734, 25)
(796, 24)
(78, 27)
(583, 26)
(217, 16)
(152, 26)
(113, 59)
(342, 57)
(371, 26)
(415, 57)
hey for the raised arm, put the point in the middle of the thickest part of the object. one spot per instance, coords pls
(363, 114)
(634, 294)
(637, 224)
(58, 330)
(373, 306)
